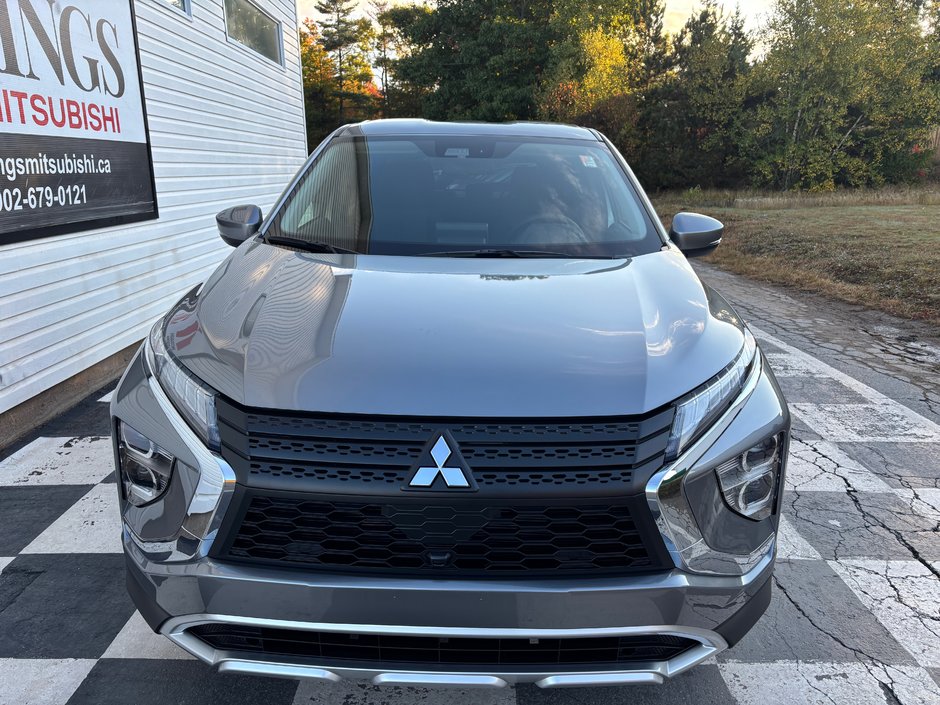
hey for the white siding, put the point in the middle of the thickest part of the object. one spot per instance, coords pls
(226, 127)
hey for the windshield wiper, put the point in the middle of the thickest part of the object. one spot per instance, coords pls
(307, 245)
(497, 253)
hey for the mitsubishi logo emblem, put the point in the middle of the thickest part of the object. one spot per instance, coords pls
(454, 476)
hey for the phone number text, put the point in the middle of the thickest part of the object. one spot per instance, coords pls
(37, 197)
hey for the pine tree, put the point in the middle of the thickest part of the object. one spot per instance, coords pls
(319, 92)
(346, 39)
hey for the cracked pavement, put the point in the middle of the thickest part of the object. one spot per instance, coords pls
(855, 616)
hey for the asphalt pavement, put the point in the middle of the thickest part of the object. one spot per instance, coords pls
(855, 616)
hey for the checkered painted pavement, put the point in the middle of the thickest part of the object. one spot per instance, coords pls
(855, 616)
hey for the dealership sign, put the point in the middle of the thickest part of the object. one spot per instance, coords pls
(74, 149)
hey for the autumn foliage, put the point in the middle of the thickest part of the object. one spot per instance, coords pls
(826, 94)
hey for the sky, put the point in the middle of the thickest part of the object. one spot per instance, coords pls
(677, 11)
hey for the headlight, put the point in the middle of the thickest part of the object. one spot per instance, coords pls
(749, 481)
(699, 408)
(145, 468)
(193, 399)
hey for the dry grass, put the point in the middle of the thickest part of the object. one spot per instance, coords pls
(770, 200)
(876, 248)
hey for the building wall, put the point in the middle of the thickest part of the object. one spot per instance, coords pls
(226, 127)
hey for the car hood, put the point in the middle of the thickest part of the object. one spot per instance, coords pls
(446, 337)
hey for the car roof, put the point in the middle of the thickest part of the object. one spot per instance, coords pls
(409, 126)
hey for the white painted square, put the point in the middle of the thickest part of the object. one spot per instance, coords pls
(820, 466)
(790, 365)
(924, 502)
(41, 681)
(791, 545)
(888, 422)
(804, 683)
(5, 561)
(137, 640)
(819, 367)
(904, 596)
(91, 525)
(59, 461)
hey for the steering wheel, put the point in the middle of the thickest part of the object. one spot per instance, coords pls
(577, 234)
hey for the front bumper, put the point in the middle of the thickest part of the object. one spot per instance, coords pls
(177, 586)
(714, 611)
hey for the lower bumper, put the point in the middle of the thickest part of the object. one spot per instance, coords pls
(712, 611)
(649, 672)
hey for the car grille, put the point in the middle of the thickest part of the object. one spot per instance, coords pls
(335, 648)
(466, 538)
(376, 455)
(326, 492)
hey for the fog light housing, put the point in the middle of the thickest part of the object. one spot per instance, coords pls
(145, 469)
(749, 481)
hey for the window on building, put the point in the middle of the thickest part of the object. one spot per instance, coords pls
(247, 24)
(181, 5)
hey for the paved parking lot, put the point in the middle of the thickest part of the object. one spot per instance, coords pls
(856, 611)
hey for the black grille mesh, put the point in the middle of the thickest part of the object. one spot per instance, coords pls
(466, 538)
(386, 650)
(326, 453)
(589, 477)
(326, 491)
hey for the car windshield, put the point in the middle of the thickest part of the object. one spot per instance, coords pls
(465, 196)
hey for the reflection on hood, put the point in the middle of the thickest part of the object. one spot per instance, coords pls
(443, 336)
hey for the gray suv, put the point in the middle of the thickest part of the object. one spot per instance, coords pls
(457, 412)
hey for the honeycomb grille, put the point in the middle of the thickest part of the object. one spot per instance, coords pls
(429, 651)
(466, 538)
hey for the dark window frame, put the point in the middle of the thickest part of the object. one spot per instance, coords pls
(280, 61)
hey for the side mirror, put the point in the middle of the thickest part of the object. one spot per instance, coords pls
(239, 223)
(696, 234)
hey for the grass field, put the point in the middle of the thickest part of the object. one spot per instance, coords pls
(877, 248)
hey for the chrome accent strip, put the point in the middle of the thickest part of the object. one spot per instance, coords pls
(177, 625)
(211, 476)
(456, 680)
(593, 679)
(259, 668)
(673, 517)
(210, 500)
(176, 629)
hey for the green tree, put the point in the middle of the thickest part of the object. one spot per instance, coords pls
(846, 93)
(400, 98)
(320, 102)
(477, 59)
(383, 49)
(604, 52)
(347, 39)
(841, 93)
(646, 45)
(710, 89)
